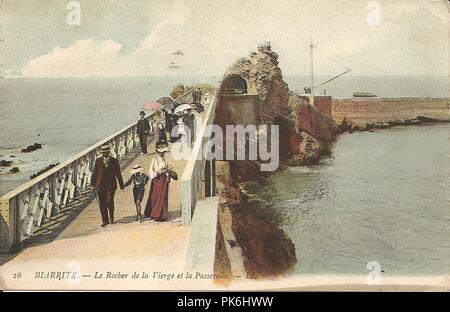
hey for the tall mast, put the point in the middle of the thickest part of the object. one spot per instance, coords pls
(311, 97)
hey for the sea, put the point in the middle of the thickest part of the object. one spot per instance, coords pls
(381, 196)
(380, 200)
(69, 115)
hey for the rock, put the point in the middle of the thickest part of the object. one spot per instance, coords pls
(426, 119)
(12, 156)
(177, 91)
(310, 150)
(345, 126)
(266, 249)
(264, 78)
(5, 163)
(377, 125)
(14, 170)
(31, 148)
(43, 170)
(260, 75)
(290, 139)
(397, 122)
(362, 127)
(313, 122)
(245, 170)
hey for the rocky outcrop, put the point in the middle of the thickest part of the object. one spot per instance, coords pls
(264, 78)
(349, 125)
(31, 148)
(266, 250)
(5, 163)
(315, 132)
(177, 91)
(314, 123)
(305, 133)
(34, 175)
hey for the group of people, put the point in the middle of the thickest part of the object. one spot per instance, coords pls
(107, 174)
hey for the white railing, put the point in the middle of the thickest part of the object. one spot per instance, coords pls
(28, 207)
(193, 173)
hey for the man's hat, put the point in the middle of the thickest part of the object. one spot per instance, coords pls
(162, 147)
(105, 148)
(137, 168)
(142, 113)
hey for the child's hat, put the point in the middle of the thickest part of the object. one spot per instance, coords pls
(137, 168)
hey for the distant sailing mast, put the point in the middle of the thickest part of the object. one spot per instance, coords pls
(311, 97)
(310, 90)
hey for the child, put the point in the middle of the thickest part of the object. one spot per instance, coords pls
(139, 179)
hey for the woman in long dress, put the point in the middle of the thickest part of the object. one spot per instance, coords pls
(182, 128)
(157, 206)
(207, 98)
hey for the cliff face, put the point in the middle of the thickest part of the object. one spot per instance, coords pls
(266, 250)
(314, 123)
(264, 78)
(316, 131)
(305, 133)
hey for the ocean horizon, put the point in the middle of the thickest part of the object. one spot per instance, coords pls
(67, 115)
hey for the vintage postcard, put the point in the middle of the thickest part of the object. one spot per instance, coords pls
(224, 145)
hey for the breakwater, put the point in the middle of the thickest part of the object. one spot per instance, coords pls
(362, 112)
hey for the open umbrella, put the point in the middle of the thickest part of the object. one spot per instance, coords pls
(152, 106)
(182, 108)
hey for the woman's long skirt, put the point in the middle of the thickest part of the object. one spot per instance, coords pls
(157, 206)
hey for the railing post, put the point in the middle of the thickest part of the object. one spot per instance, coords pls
(213, 171)
(75, 180)
(8, 224)
(186, 201)
(207, 178)
(213, 177)
(22, 210)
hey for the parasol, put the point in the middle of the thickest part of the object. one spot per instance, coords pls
(152, 106)
(182, 108)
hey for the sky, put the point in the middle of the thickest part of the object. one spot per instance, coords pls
(118, 38)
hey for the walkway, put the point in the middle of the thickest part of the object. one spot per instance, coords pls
(126, 246)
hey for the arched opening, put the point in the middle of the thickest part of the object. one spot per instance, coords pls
(233, 84)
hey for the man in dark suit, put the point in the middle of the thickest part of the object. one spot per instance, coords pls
(104, 183)
(143, 128)
(190, 124)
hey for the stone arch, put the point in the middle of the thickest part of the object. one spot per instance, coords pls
(234, 84)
